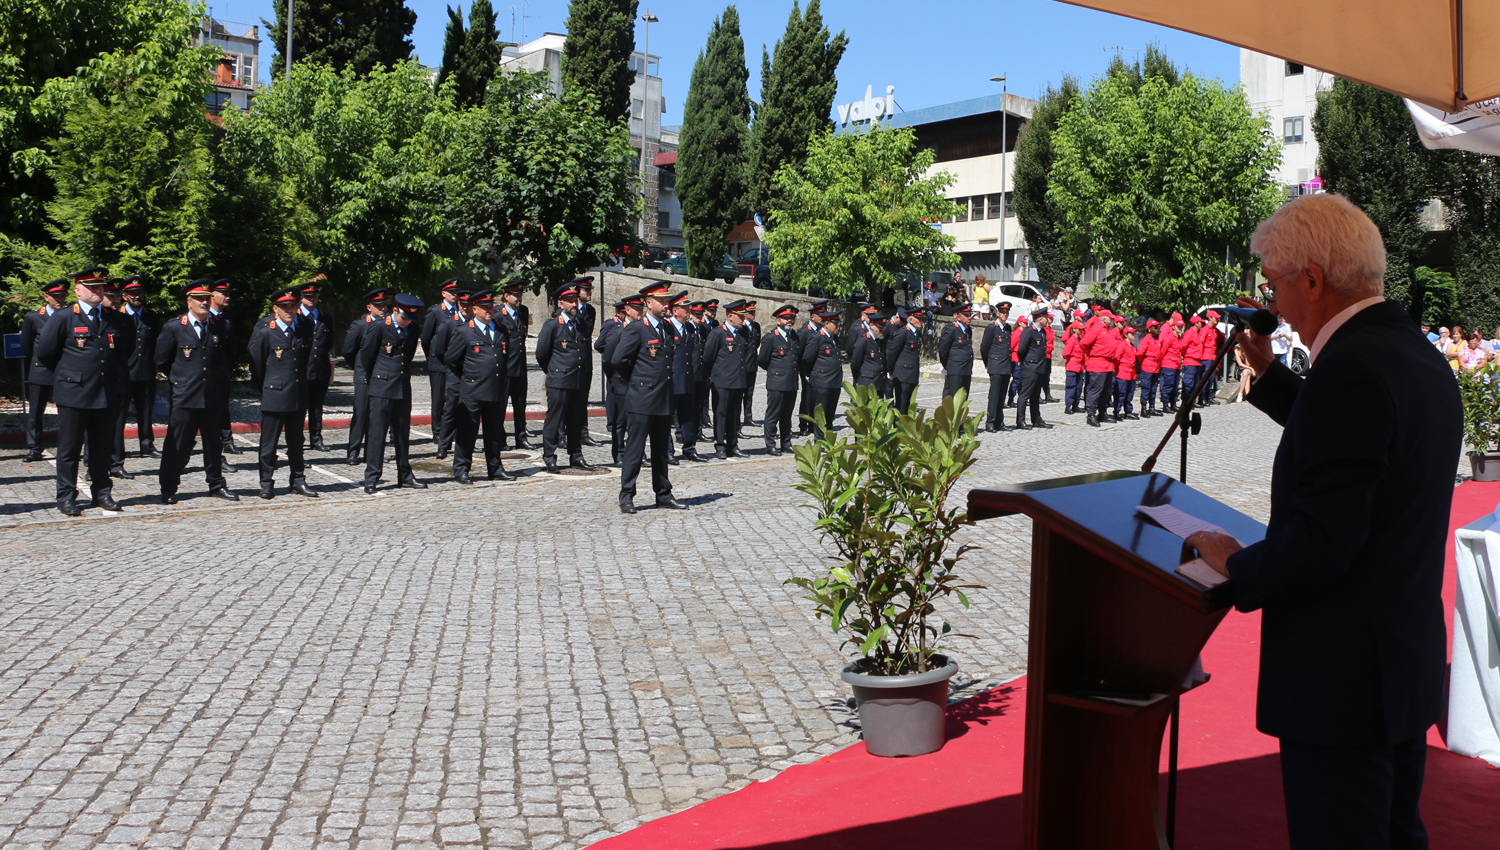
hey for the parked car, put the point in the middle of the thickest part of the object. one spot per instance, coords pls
(652, 256)
(728, 269)
(756, 265)
(675, 262)
(1018, 295)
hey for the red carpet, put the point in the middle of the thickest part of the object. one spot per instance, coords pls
(969, 793)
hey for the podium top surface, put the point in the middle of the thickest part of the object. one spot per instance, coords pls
(1098, 511)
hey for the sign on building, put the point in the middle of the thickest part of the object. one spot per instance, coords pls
(870, 109)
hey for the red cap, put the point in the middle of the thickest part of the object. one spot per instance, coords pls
(1213, 315)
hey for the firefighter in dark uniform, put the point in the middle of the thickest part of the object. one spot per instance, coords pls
(903, 357)
(445, 429)
(956, 351)
(1032, 351)
(994, 350)
(612, 412)
(279, 347)
(188, 349)
(708, 399)
(867, 354)
(698, 314)
(219, 307)
(517, 320)
(587, 319)
(825, 369)
(724, 361)
(687, 354)
(777, 357)
(561, 348)
(86, 348)
(478, 357)
(377, 302)
(643, 357)
(38, 376)
(319, 365)
(752, 334)
(386, 351)
(805, 336)
(440, 315)
(142, 368)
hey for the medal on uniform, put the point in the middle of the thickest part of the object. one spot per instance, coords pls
(187, 353)
(278, 354)
(563, 344)
(80, 341)
(111, 340)
(476, 349)
(390, 347)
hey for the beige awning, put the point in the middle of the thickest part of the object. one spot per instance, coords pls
(1444, 53)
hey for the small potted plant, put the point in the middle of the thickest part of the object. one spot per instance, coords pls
(882, 500)
(1480, 391)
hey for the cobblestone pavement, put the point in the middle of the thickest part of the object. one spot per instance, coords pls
(515, 665)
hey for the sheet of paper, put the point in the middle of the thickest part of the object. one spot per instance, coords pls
(1198, 570)
(1176, 521)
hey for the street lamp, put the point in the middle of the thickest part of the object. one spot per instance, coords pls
(649, 19)
(1003, 97)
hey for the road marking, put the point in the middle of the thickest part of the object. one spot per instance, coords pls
(305, 464)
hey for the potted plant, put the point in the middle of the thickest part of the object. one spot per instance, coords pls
(882, 500)
(1480, 391)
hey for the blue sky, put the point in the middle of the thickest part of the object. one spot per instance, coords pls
(933, 51)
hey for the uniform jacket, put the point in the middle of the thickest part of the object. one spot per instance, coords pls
(278, 364)
(700, 342)
(88, 357)
(438, 316)
(1190, 349)
(805, 337)
(1098, 345)
(587, 319)
(751, 333)
(643, 359)
(822, 362)
(225, 365)
(319, 367)
(31, 329)
(1171, 350)
(903, 355)
(724, 358)
(387, 350)
(618, 382)
(1209, 340)
(687, 356)
(956, 350)
(353, 338)
(1353, 649)
(190, 362)
(994, 349)
(142, 362)
(1073, 354)
(1032, 349)
(561, 349)
(611, 326)
(447, 327)
(867, 358)
(480, 363)
(1125, 355)
(778, 356)
(1150, 353)
(518, 325)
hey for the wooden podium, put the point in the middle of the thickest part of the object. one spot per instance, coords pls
(1109, 616)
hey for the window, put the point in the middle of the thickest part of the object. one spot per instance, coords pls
(963, 209)
(995, 204)
(668, 180)
(1291, 129)
(1293, 69)
(217, 100)
(663, 220)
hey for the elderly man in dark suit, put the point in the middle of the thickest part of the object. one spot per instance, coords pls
(1350, 572)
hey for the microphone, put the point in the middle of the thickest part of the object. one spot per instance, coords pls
(1261, 321)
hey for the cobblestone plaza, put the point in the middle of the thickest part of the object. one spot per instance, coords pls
(508, 665)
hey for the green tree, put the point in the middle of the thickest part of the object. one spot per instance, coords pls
(797, 85)
(1165, 177)
(596, 55)
(541, 187)
(1369, 151)
(1472, 192)
(471, 57)
(354, 34)
(711, 157)
(1041, 219)
(856, 212)
(1440, 296)
(453, 45)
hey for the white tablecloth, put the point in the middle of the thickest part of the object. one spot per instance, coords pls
(1474, 684)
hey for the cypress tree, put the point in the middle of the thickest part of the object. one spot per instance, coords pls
(481, 55)
(596, 55)
(711, 156)
(453, 44)
(357, 34)
(1040, 219)
(797, 86)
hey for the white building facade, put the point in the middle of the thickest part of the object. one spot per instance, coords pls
(235, 76)
(1287, 94)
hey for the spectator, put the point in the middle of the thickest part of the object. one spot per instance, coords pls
(1427, 331)
(1247, 374)
(1472, 356)
(1064, 302)
(1492, 345)
(931, 296)
(981, 297)
(1441, 343)
(1457, 342)
(963, 289)
(1281, 346)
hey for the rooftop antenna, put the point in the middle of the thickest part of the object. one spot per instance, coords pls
(525, 4)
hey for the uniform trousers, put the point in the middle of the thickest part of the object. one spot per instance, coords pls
(141, 396)
(616, 397)
(516, 393)
(360, 417)
(37, 397)
(1030, 394)
(954, 383)
(828, 399)
(1072, 387)
(272, 424)
(317, 393)
(995, 417)
(749, 397)
(226, 426)
(778, 421)
(1015, 384)
(727, 404)
(708, 405)
(805, 407)
(1124, 392)
(1168, 384)
(1047, 379)
(184, 424)
(1190, 376)
(391, 415)
(564, 422)
(1097, 392)
(447, 425)
(903, 390)
(74, 424)
(659, 430)
(437, 384)
(1354, 797)
(685, 408)
(471, 416)
(1148, 381)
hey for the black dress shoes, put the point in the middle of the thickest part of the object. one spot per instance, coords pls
(670, 504)
(370, 489)
(354, 460)
(627, 508)
(218, 493)
(720, 456)
(70, 508)
(229, 448)
(588, 440)
(302, 489)
(523, 443)
(169, 498)
(1022, 426)
(578, 464)
(736, 453)
(148, 451)
(696, 458)
(319, 446)
(552, 468)
(120, 472)
(267, 491)
(673, 461)
(106, 502)
(1042, 425)
(34, 456)
(1093, 421)
(412, 484)
(442, 454)
(502, 475)
(462, 478)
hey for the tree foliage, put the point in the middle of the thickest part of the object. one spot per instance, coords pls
(797, 86)
(711, 157)
(855, 214)
(1471, 189)
(541, 187)
(471, 57)
(596, 55)
(1369, 151)
(1040, 218)
(1165, 175)
(343, 34)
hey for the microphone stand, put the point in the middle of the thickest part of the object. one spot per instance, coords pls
(1187, 421)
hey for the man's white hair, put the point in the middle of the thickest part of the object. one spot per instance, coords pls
(1330, 231)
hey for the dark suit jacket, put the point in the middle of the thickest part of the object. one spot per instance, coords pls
(190, 363)
(1350, 574)
(684, 345)
(515, 348)
(560, 351)
(821, 362)
(479, 362)
(142, 365)
(956, 350)
(31, 330)
(1032, 351)
(386, 352)
(438, 316)
(643, 359)
(778, 356)
(867, 358)
(903, 355)
(724, 358)
(994, 349)
(88, 359)
(318, 365)
(278, 365)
